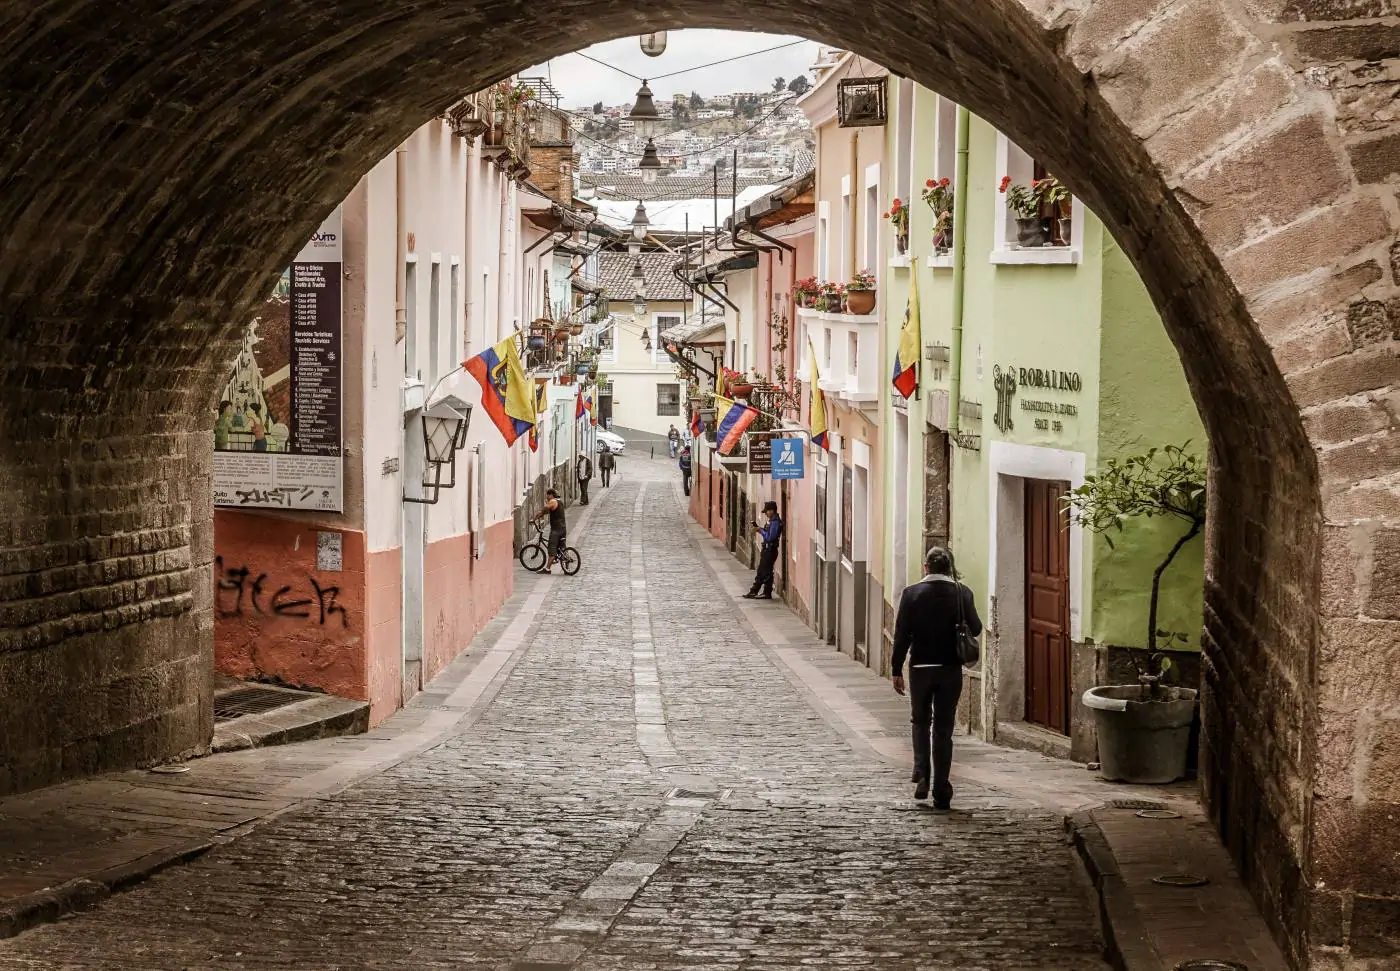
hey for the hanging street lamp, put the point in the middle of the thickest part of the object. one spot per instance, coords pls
(654, 44)
(651, 163)
(639, 278)
(640, 223)
(644, 116)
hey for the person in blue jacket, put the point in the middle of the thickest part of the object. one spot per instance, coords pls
(771, 533)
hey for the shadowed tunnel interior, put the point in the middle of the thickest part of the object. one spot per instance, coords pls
(164, 163)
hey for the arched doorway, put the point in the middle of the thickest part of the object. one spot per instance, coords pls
(162, 167)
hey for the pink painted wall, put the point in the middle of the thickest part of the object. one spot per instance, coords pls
(461, 594)
(385, 634)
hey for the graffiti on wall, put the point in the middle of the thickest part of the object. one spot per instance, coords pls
(240, 589)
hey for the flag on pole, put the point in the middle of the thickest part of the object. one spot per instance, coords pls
(731, 421)
(588, 406)
(818, 416)
(697, 426)
(906, 359)
(505, 394)
(578, 404)
(541, 394)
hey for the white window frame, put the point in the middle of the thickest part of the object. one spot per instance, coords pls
(871, 230)
(824, 240)
(847, 213)
(658, 353)
(608, 355)
(1014, 161)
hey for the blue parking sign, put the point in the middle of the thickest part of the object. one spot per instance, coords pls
(789, 460)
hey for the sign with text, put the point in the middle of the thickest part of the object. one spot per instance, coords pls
(760, 454)
(789, 458)
(278, 436)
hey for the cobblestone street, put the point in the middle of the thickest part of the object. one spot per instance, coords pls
(643, 788)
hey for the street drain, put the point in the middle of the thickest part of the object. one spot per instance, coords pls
(1134, 804)
(1181, 880)
(1157, 814)
(251, 701)
(1210, 964)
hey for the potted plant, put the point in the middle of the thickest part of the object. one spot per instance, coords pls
(898, 216)
(1055, 204)
(938, 193)
(804, 291)
(1144, 729)
(831, 297)
(860, 293)
(576, 330)
(1024, 201)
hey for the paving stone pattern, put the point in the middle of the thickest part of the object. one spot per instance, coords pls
(570, 827)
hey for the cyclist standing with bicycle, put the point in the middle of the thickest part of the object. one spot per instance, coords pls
(558, 528)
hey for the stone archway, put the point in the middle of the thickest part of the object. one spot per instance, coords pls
(161, 166)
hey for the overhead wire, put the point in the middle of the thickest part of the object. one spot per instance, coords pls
(688, 70)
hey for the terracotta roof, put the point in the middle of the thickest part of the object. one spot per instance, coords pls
(615, 274)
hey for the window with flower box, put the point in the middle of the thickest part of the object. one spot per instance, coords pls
(1060, 238)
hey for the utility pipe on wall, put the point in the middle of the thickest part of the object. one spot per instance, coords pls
(959, 270)
(400, 244)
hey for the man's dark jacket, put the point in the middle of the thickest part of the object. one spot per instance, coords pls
(925, 627)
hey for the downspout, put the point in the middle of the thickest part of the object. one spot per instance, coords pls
(400, 244)
(959, 271)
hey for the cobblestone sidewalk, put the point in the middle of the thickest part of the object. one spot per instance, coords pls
(622, 773)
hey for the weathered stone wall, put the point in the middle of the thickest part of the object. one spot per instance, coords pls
(164, 162)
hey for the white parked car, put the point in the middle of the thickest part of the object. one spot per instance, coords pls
(613, 442)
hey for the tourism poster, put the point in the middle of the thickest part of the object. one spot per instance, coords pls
(278, 431)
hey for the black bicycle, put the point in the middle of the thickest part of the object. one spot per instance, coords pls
(534, 555)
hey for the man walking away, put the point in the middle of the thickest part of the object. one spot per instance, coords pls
(925, 630)
(584, 468)
(771, 533)
(607, 461)
(673, 441)
(684, 463)
(558, 527)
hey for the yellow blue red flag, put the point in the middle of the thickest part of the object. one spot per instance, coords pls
(818, 416)
(906, 359)
(505, 394)
(731, 421)
(541, 406)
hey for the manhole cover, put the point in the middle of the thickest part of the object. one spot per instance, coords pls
(1134, 804)
(250, 701)
(1157, 814)
(1181, 880)
(1211, 965)
(169, 769)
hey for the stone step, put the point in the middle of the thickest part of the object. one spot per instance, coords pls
(280, 716)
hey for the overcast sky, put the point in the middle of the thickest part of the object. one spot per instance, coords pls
(581, 82)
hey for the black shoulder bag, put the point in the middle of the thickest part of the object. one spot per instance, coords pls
(969, 650)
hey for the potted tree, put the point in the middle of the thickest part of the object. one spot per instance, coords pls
(860, 293)
(1144, 729)
(1025, 203)
(938, 193)
(898, 216)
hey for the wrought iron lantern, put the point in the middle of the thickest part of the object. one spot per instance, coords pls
(640, 223)
(444, 435)
(644, 115)
(654, 44)
(860, 102)
(650, 163)
(639, 278)
(639, 307)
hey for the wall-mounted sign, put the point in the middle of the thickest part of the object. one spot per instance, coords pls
(1009, 379)
(789, 458)
(277, 435)
(760, 454)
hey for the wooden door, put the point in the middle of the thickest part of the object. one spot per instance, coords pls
(1047, 606)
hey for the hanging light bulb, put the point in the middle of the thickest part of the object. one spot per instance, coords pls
(654, 44)
(651, 162)
(640, 223)
(644, 116)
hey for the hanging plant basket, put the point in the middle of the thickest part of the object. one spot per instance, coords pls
(537, 342)
(576, 330)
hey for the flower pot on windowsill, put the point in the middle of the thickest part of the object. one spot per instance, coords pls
(1030, 232)
(901, 242)
(1066, 230)
(860, 302)
(740, 390)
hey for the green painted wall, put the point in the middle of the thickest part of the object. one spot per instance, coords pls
(1143, 402)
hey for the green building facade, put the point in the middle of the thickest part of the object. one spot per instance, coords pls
(1062, 363)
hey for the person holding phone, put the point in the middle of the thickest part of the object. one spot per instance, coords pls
(771, 534)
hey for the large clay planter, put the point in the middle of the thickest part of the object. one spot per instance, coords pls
(1141, 740)
(860, 302)
(740, 390)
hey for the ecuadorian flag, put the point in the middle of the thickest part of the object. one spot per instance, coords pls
(697, 426)
(731, 421)
(818, 416)
(505, 393)
(578, 405)
(588, 406)
(906, 359)
(540, 408)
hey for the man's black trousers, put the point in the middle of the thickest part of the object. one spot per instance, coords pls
(933, 697)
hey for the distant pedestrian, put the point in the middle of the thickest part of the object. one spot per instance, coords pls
(607, 461)
(673, 440)
(925, 630)
(771, 533)
(584, 469)
(684, 463)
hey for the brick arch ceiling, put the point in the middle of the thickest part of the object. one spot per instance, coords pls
(163, 160)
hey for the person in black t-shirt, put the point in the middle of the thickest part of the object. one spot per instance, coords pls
(925, 630)
(558, 528)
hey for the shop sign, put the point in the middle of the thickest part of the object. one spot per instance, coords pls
(789, 458)
(760, 454)
(1008, 380)
(278, 431)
